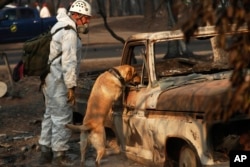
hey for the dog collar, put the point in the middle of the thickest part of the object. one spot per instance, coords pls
(117, 74)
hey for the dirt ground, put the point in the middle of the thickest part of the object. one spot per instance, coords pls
(22, 108)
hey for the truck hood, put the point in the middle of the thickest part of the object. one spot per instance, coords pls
(194, 93)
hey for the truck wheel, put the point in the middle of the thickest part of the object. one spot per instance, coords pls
(188, 157)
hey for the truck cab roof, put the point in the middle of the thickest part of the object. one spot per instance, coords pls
(202, 32)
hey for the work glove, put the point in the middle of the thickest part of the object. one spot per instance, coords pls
(71, 96)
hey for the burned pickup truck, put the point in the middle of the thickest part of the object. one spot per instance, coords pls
(161, 121)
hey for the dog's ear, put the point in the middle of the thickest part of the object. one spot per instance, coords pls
(129, 75)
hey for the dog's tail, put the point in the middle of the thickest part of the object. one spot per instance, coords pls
(77, 128)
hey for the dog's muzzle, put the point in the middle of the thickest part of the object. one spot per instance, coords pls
(136, 79)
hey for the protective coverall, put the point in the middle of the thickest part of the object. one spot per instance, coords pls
(63, 74)
(44, 12)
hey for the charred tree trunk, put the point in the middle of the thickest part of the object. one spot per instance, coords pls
(220, 56)
(148, 10)
(175, 48)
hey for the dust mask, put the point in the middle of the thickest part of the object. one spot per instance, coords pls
(83, 29)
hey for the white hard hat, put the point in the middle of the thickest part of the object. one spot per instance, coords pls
(81, 6)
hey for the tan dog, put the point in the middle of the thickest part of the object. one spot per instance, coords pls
(106, 90)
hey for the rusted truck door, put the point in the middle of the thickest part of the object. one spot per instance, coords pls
(136, 56)
(132, 55)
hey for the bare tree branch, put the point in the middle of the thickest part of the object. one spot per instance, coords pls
(106, 24)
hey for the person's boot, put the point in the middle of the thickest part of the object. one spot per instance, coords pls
(61, 159)
(46, 155)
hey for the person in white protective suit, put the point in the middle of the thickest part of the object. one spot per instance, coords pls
(59, 85)
(44, 12)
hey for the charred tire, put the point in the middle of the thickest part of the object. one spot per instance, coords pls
(188, 157)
